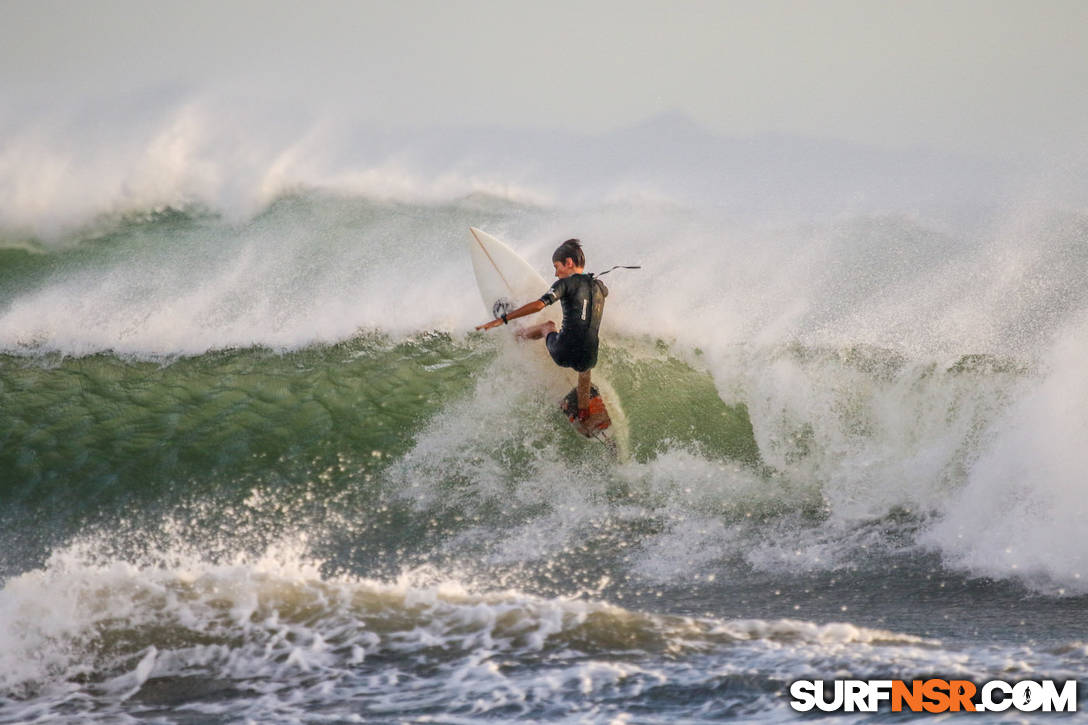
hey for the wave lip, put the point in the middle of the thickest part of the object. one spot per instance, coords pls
(62, 169)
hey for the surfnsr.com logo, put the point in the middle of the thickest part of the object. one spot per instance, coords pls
(934, 695)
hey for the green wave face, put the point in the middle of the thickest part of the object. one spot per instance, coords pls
(89, 435)
(104, 428)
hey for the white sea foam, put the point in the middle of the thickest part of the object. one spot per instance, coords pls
(64, 170)
(1022, 510)
(104, 639)
(63, 167)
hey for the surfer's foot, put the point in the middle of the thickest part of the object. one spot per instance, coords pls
(535, 332)
(589, 423)
(592, 424)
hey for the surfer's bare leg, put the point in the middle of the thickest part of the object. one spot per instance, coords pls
(589, 423)
(536, 331)
(583, 391)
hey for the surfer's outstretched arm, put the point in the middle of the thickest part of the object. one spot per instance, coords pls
(526, 309)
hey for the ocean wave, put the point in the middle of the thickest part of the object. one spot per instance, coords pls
(101, 639)
(62, 168)
(127, 637)
(315, 267)
(791, 461)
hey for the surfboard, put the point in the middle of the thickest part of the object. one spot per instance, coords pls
(506, 281)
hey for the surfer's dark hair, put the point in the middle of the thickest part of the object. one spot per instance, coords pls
(570, 249)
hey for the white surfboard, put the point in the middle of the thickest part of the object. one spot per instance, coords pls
(506, 282)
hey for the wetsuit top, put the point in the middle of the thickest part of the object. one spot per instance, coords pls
(582, 297)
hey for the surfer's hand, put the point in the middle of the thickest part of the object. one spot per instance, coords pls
(489, 325)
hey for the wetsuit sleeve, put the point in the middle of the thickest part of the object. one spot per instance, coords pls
(554, 293)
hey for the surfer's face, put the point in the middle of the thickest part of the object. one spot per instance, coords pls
(565, 268)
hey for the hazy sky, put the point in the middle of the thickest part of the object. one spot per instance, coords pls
(972, 75)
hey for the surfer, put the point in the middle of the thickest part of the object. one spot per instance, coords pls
(574, 345)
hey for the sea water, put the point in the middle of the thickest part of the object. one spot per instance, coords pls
(255, 465)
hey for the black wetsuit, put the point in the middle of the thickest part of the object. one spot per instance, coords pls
(575, 345)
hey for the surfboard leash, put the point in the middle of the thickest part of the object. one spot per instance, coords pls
(618, 266)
